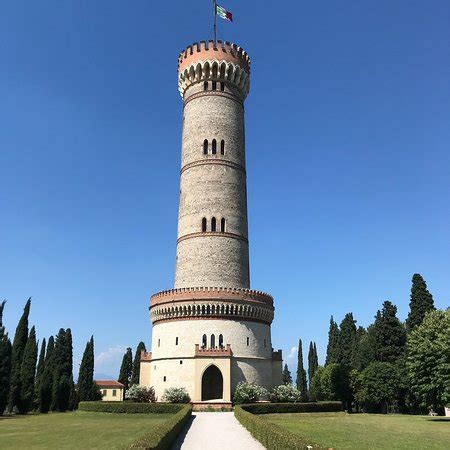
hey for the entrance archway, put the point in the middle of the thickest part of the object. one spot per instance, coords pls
(212, 384)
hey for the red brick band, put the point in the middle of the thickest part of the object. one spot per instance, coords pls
(217, 93)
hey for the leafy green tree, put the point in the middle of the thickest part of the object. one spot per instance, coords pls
(18, 347)
(428, 359)
(301, 374)
(86, 386)
(313, 362)
(286, 375)
(137, 363)
(5, 362)
(46, 382)
(27, 373)
(420, 303)
(126, 369)
(333, 343)
(389, 334)
(364, 352)
(315, 387)
(347, 340)
(379, 387)
(39, 374)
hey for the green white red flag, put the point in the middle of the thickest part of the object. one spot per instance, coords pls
(223, 13)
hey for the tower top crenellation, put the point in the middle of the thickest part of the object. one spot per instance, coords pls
(210, 50)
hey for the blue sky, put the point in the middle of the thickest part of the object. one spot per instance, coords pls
(347, 128)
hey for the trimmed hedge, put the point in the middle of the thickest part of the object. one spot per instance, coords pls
(163, 437)
(272, 436)
(130, 407)
(271, 408)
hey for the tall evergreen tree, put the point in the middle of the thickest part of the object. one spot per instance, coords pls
(46, 382)
(313, 362)
(301, 374)
(420, 303)
(27, 373)
(18, 347)
(126, 369)
(73, 398)
(137, 363)
(389, 334)
(365, 348)
(5, 362)
(333, 343)
(39, 374)
(347, 340)
(286, 375)
(62, 370)
(86, 388)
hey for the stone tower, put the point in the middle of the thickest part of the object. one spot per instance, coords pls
(212, 331)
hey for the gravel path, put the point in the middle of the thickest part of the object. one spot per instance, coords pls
(215, 430)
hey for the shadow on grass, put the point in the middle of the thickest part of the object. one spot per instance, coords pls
(181, 437)
(440, 419)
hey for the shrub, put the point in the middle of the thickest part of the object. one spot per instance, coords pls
(248, 393)
(285, 393)
(270, 408)
(130, 408)
(272, 436)
(140, 394)
(164, 435)
(176, 395)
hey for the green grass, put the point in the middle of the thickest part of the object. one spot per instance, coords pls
(81, 430)
(367, 431)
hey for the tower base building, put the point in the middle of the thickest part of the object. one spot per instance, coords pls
(212, 331)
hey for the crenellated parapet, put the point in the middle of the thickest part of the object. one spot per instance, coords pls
(216, 61)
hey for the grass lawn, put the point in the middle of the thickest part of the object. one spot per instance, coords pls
(364, 431)
(78, 429)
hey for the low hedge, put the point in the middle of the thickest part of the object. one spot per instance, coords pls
(272, 436)
(271, 408)
(130, 407)
(163, 437)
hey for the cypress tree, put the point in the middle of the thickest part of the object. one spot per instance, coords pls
(86, 387)
(126, 369)
(73, 400)
(5, 362)
(62, 370)
(313, 362)
(287, 378)
(39, 374)
(347, 340)
(27, 373)
(301, 374)
(137, 363)
(333, 343)
(389, 334)
(46, 382)
(420, 303)
(18, 347)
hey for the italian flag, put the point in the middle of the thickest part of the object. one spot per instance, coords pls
(223, 13)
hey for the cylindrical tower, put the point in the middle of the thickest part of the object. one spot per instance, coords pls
(212, 331)
(212, 246)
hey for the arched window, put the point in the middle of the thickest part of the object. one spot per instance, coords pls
(220, 341)
(204, 341)
(222, 147)
(222, 224)
(205, 147)
(204, 223)
(205, 86)
(214, 85)
(222, 86)
(214, 147)
(213, 224)
(213, 341)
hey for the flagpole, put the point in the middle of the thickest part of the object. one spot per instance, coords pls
(215, 20)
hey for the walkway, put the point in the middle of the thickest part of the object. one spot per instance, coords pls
(215, 430)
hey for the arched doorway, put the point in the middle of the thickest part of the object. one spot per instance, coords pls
(212, 384)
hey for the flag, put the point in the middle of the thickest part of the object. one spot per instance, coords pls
(223, 13)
